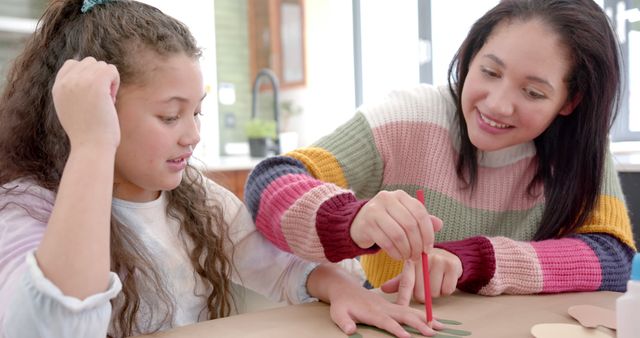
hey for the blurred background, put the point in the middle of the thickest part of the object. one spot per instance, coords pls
(291, 71)
(328, 56)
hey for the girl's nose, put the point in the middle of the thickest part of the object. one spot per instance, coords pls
(191, 133)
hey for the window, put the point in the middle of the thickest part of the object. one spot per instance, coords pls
(415, 44)
(450, 23)
(388, 47)
(625, 16)
(442, 36)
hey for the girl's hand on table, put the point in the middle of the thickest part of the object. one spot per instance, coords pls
(351, 305)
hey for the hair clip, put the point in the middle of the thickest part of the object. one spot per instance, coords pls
(88, 4)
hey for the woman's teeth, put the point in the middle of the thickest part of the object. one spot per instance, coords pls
(494, 123)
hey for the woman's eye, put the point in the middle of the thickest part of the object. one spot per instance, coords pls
(534, 94)
(489, 72)
(198, 113)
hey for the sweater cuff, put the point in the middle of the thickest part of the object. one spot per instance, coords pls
(333, 222)
(478, 261)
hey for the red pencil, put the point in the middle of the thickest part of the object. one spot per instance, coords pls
(425, 274)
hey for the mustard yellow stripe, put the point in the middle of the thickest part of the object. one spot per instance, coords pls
(610, 216)
(379, 268)
(321, 164)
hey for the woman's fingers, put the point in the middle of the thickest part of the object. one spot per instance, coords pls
(391, 285)
(388, 236)
(411, 217)
(406, 283)
(445, 270)
(424, 228)
(437, 223)
(409, 227)
(396, 222)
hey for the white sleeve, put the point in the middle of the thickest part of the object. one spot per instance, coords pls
(39, 309)
(260, 265)
(30, 304)
(276, 274)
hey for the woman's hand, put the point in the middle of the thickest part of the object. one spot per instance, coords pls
(351, 303)
(445, 269)
(84, 95)
(397, 223)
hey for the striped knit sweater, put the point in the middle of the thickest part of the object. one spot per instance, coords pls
(305, 201)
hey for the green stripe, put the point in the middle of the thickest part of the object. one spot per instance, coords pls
(354, 148)
(462, 222)
(610, 181)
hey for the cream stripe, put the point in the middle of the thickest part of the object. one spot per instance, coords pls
(296, 221)
(408, 106)
(517, 269)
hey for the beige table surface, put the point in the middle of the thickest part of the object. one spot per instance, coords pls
(487, 317)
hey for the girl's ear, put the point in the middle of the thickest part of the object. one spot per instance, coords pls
(568, 107)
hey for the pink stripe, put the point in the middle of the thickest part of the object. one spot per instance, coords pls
(299, 222)
(430, 162)
(568, 265)
(517, 269)
(277, 197)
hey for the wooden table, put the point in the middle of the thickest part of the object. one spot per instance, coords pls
(487, 317)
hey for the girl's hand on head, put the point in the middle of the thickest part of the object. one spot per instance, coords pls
(355, 304)
(445, 269)
(84, 98)
(397, 223)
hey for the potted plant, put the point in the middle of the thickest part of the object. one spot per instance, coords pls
(290, 113)
(261, 134)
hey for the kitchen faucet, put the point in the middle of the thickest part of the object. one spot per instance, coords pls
(265, 72)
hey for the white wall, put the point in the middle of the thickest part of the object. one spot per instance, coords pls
(451, 21)
(390, 48)
(329, 96)
(390, 59)
(389, 55)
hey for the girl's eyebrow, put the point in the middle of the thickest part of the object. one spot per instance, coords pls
(529, 77)
(182, 99)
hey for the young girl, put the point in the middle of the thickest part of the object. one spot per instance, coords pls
(513, 158)
(100, 209)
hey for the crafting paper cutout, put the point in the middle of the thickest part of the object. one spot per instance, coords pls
(555, 330)
(451, 333)
(358, 335)
(448, 321)
(445, 330)
(461, 333)
(593, 316)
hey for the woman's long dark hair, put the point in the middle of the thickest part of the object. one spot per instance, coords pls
(572, 152)
(34, 145)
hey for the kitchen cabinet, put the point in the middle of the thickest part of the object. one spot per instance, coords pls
(232, 179)
(276, 39)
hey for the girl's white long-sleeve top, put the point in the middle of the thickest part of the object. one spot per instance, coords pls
(32, 306)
